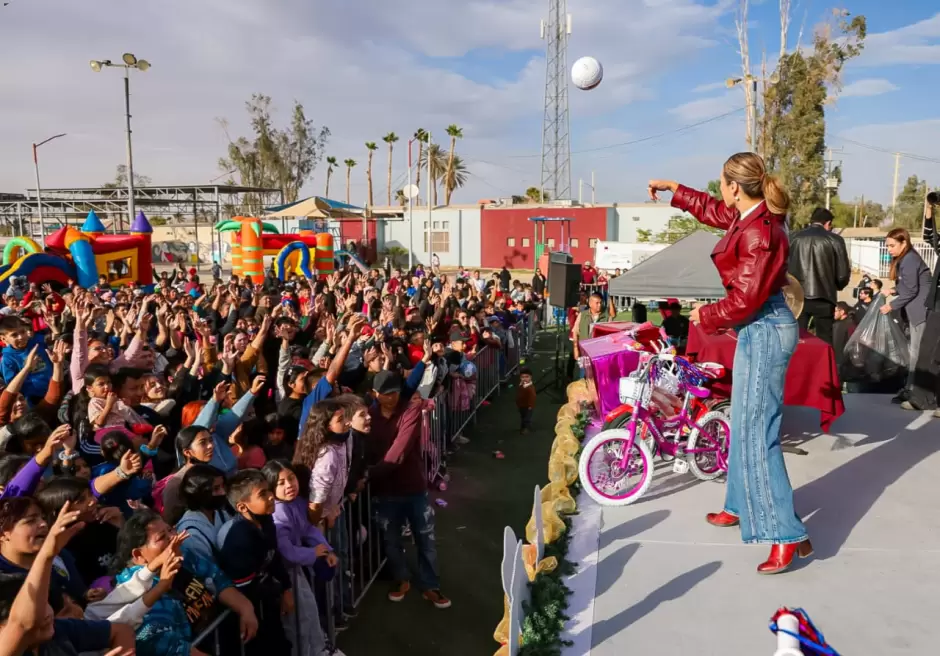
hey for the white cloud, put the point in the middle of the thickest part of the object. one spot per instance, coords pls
(704, 108)
(868, 87)
(362, 68)
(918, 43)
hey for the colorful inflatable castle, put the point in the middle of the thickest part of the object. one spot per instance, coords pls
(307, 253)
(82, 255)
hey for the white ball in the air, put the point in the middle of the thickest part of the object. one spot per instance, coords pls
(587, 73)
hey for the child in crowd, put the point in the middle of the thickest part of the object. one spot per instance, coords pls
(196, 446)
(525, 399)
(246, 444)
(171, 615)
(248, 554)
(203, 491)
(20, 341)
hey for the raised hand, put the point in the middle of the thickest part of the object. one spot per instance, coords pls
(257, 384)
(220, 392)
(131, 463)
(656, 186)
(62, 530)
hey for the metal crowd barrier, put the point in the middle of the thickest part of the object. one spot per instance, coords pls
(447, 413)
(357, 540)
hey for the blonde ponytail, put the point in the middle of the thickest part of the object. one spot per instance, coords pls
(749, 171)
(776, 197)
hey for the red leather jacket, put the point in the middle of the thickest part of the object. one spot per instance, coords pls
(751, 258)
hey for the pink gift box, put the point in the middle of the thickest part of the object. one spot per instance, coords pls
(608, 358)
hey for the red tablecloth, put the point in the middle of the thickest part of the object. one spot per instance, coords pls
(812, 378)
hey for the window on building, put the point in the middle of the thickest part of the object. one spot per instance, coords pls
(551, 242)
(525, 242)
(511, 241)
(574, 242)
(440, 241)
(437, 225)
(592, 243)
(636, 218)
(445, 225)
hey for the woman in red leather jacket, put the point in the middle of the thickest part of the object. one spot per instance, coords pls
(752, 261)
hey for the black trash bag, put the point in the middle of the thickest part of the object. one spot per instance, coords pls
(877, 350)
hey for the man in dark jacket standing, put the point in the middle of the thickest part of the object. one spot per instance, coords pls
(819, 260)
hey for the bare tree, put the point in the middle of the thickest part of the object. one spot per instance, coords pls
(740, 23)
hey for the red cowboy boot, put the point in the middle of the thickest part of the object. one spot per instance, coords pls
(722, 519)
(781, 557)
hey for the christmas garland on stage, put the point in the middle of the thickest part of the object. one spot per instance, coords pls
(545, 613)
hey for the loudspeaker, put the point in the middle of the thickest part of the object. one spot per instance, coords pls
(560, 256)
(639, 313)
(564, 284)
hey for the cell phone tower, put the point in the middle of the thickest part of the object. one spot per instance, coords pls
(556, 146)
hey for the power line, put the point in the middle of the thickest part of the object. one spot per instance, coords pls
(888, 151)
(651, 137)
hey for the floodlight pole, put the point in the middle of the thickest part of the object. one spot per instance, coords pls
(42, 221)
(411, 213)
(130, 153)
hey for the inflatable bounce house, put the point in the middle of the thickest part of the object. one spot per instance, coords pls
(82, 256)
(307, 253)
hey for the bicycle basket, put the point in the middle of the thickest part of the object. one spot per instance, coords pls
(631, 389)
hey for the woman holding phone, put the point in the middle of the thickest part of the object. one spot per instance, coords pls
(751, 259)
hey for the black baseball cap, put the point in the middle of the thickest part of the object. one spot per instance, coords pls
(386, 382)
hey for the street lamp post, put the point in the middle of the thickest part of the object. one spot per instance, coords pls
(752, 81)
(128, 61)
(42, 222)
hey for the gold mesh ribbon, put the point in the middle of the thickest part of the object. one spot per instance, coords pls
(533, 568)
(560, 497)
(562, 468)
(552, 525)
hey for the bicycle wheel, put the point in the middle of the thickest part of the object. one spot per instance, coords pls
(714, 438)
(600, 472)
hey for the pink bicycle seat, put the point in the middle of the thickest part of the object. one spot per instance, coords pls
(698, 392)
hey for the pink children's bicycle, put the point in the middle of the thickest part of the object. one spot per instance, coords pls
(616, 465)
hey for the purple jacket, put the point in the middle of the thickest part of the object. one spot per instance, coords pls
(296, 536)
(26, 480)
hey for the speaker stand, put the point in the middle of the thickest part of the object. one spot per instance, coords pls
(556, 378)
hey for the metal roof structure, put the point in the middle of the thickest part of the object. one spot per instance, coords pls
(182, 204)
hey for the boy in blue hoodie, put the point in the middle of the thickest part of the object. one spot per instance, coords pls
(18, 336)
(247, 553)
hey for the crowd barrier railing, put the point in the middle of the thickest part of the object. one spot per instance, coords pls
(448, 412)
(356, 537)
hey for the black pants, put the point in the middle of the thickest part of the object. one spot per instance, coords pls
(821, 311)
(525, 415)
(925, 389)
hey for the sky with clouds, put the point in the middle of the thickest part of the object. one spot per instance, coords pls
(367, 67)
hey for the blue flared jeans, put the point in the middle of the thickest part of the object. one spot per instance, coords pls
(759, 490)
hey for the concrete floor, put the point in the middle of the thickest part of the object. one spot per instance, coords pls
(668, 583)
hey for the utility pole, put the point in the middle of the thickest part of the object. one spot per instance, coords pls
(831, 182)
(894, 191)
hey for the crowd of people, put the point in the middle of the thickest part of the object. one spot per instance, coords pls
(172, 453)
(819, 261)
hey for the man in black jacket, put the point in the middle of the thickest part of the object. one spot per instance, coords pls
(925, 387)
(819, 260)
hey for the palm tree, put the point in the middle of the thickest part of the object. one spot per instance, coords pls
(371, 147)
(454, 133)
(390, 139)
(421, 136)
(350, 163)
(455, 176)
(331, 161)
(400, 197)
(438, 159)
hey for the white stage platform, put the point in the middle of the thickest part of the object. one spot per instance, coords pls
(657, 579)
